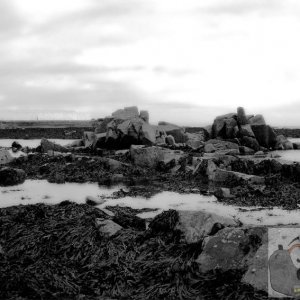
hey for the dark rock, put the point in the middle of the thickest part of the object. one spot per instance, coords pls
(250, 142)
(16, 145)
(265, 136)
(10, 176)
(241, 116)
(46, 145)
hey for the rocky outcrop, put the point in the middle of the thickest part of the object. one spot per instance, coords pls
(10, 176)
(283, 143)
(251, 131)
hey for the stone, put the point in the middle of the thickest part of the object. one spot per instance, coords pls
(257, 273)
(146, 156)
(241, 116)
(235, 178)
(206, 168)
(99, 140)
(223, 126)
(170, 129)
(107, 227)
(144, 114)
(16, 145)
(222, 145)
(230, 125)
(10, 176)
(102, 125)
(46, 145)
(246, 130)
(250, 142)
(223, 251)
(265, 136)
(170, 140)
(196, 225)
(257, 120)
(218, 128)
(112, 164)
(223, 193)
(147, 134)
(296, 146)
(246, 150)
(75, 144)
(195, 140)
(88, 139)
(126, 113)
(209, 148)
(283, 143)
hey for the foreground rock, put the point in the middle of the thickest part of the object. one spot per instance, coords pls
(46, 146)
(10, 176)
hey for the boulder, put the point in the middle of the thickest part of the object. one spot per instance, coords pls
(16, 146)
(246, 150)
(170, 140)
(209, 148)
(144, 115)
(246, 130)
(7, 156)
(147, 134)
(195, 140)
(10, 176)
(241, 116)
(223, 251)
(250, 142)
(206, 168)
(107, 227)
(88, 138)
(265, 136)
(196, 225)
(102, 125)
(257, 120)
(223, 193)
(257, 273)
(46, 145)
(223, 125)
(234, 178)
(146, 156)
(230, 128)
(283, 143)
(170, 129)
(99, 140)
(126, 113)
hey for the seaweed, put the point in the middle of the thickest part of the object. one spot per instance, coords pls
(57, 252)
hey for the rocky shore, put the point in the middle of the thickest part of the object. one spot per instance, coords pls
(178, 255)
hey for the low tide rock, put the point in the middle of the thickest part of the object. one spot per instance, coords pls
(46, 145)
(195, 225)
(107, 227)
(10, 176)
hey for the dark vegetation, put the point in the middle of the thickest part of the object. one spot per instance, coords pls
(57, 252)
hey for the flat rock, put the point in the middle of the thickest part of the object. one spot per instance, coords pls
(107, 227)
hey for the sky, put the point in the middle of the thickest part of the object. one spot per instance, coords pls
(185, 61)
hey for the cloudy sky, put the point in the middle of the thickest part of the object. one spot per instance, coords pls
(185, 61)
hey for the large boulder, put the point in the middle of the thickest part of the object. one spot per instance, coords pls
(283, 143)
(170, 129)
(250, 142)
(246, 130)
(10, 176)
(222, 145)
(46, 145)
(257, 120)
(102, 125)
(195, 140)
(223, 126)
(241, 116)
(265, 136)
(144, 115)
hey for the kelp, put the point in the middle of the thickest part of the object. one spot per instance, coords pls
(57, 252)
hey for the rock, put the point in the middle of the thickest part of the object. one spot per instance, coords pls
(222, 145)
(223, 251)
(234, 178)
(196, 225)
(88, 139)
(246, 130)
(209, 148)
(146, 156)
(16, 145)
(257, 273)
(112, 164)
(107, 227)
(206, 168)
(218, 128)
(250, 142)
(170, 129)
(75, 144)
(94, 201)
(102, 125)
(223, 126)
(170, 140)
(257, 120)
(230, 128)
(283, 143)
(6, 156)
(99, 140)
(260, 154)
(10, 176)
(296, 146)
(265, 136)
(147, 134)
(150, 157)
(46, 145)
(246, 150)
(144, 114)
(126, 113)
(223, 193)
(241, 116)
(195, 140)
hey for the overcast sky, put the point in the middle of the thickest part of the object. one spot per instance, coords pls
(185, 61)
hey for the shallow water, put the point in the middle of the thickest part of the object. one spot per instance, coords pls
(41, 191)
(32, 143)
